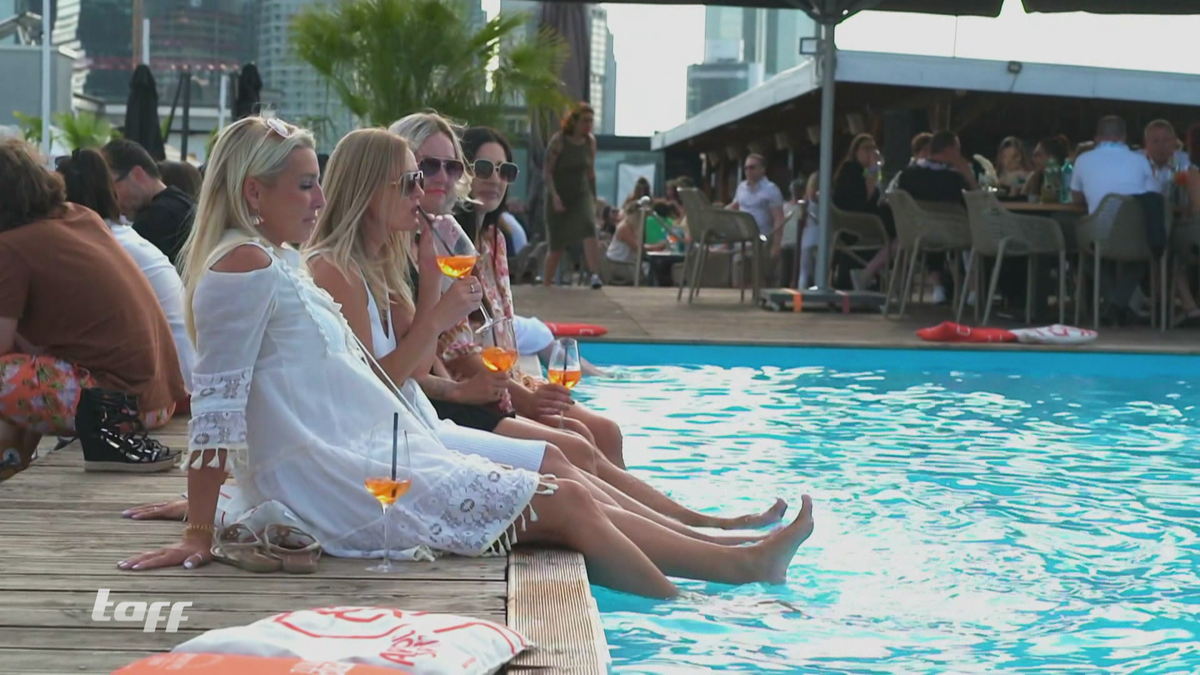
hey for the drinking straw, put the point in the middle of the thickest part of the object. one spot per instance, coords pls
(395, 438)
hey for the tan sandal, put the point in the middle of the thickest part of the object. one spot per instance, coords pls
(295, 548)
(239, 546)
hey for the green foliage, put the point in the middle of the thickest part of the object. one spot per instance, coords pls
(84, 130)
(31, 127)
(388, 58)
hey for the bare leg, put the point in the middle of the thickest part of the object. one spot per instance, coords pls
(577, 450)
(551, 266)
(606, 432)
(879, 262)
(679, 556)
(571, 518)
(657, 501)
(591, 251)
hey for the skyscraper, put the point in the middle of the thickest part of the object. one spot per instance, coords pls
(743, 47)
(609, 119)
(600, 79)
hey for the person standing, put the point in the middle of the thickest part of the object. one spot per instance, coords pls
(570, 174)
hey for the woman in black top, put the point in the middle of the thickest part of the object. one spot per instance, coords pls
(856, 188)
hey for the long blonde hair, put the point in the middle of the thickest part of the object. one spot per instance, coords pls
(417, 128)
(364, 162)
(248, 148)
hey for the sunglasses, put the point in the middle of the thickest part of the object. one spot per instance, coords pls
(409, 182)
(276, 125)
(485, 167)
(430, 166)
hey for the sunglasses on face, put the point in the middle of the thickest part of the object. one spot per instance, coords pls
(409, 182)
(430, 166)
(485, 167)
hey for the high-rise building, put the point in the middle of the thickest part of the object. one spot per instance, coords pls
(742, 48)
(291, 87)
(599, 77)
(608, 125)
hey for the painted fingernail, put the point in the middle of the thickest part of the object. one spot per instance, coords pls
(123, 564)
(189, 564)
(127, 512)
(137, 566)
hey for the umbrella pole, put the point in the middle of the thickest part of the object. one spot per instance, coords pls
(46, 79)
(828, 66)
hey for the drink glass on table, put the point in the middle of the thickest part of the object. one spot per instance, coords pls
(564, 368)
(456, 254)
(387, 482)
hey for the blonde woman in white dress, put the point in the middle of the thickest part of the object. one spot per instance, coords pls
(302, 434)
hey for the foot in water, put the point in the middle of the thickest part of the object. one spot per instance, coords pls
(777, 551)
(752, 522)
(174, 510)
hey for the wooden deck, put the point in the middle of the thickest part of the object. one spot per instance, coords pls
(62, 535)
(653, 315)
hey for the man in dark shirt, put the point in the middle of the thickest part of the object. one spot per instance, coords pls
(161, 214)
(941, 178)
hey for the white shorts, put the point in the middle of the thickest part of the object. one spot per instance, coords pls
(515, 452)
(532, 335)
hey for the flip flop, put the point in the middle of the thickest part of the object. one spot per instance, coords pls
(295, 548)
(239, 546)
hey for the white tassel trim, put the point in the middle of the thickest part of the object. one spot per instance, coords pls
(194, 459)
(508, 538)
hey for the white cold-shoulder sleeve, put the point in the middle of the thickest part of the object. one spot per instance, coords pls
(231, 315)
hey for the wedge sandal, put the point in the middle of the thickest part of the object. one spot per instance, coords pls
(295, 548)
(239, 546)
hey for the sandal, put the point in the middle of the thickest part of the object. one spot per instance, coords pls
(298, 550)
(237, 545)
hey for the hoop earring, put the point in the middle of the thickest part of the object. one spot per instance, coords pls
(255, 221)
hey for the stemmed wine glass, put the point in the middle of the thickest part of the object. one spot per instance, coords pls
(387, 484)
(456, 254)
(564, 367)
(499, 346)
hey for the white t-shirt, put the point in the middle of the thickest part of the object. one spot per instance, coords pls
(759, 201)
(519, 239)
(167, 288)
(1112, 169)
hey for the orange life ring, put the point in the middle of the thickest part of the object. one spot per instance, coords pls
(576, 329)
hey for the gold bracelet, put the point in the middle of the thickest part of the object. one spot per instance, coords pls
(210, 530)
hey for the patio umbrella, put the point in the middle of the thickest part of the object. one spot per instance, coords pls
(570, 21)
(249, 87)
(141, 113)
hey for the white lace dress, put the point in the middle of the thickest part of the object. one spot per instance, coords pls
(299, 437)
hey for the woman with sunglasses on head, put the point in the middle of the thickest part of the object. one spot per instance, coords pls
(258, 317)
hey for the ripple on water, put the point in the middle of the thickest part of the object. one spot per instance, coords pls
(966, 522)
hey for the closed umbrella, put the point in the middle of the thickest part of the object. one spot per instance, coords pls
(249, 88)
(141, 113)
(570, 21)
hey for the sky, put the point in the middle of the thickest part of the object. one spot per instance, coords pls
(655, 44)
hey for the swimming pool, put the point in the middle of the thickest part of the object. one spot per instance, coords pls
(977, 511)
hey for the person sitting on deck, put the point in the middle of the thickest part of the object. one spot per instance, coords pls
(161, 214)
(89, 184)
(436, 145)
(84, 348)
(275, 353)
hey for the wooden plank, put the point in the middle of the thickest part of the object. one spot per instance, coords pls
(452, 598)
(449, 569)
(198, 584)
(24, 661)
(550, 602)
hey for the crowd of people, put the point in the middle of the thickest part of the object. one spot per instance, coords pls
(1053, 171)
(309, 315)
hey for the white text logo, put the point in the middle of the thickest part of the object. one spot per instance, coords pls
(133, 612)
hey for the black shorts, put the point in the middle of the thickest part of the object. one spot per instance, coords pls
(482, 417)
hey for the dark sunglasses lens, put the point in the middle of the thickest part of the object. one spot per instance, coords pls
(509, 172)
(454, 168)
(430, 166)
(484, 168)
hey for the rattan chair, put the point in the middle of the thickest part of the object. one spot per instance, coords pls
(710, 226)
(923, 228)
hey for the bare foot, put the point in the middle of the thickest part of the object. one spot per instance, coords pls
(735, 539)
(175, 510)
(769, 517)
(776, 553)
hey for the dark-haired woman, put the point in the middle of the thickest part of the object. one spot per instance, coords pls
(856, 189)
(89, 183)
(570, 174)
(84, 348)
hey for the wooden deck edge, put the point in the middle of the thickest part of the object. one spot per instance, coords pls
(550, 602)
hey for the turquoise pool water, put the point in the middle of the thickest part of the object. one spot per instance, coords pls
(977, 512)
